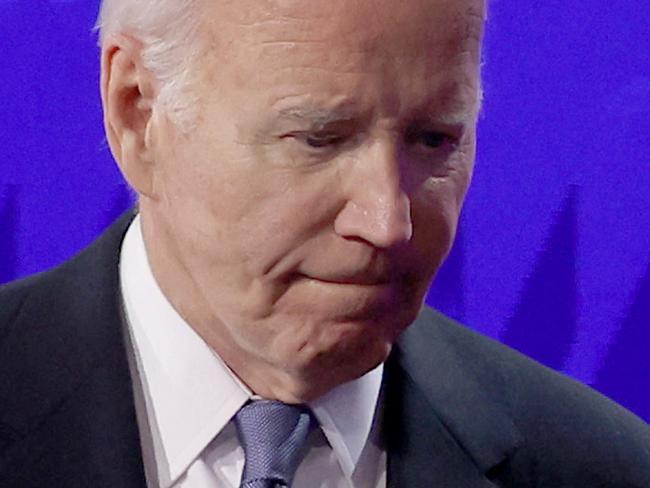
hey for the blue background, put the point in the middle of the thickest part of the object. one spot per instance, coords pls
(553, 254)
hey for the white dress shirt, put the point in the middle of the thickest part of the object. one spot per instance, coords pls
(191, 396)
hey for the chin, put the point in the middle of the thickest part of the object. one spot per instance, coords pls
(338, 356)
(317, 354)
(315, 380)
(347, 339)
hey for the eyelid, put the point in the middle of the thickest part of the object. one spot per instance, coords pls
(303, 134)
(453, 132)
(337, 137)
(413, 135)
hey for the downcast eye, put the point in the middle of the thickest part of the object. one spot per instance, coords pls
(433, 139)
(429, 139)
(318, 141)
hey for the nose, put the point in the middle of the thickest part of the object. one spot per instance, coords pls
(378, 208)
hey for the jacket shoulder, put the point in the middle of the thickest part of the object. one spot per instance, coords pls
(53, 326)
(17, 296)
(569, 434)
(40, 293)
(65, 385)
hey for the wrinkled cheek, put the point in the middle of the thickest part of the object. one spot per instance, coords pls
(435, 225)
(433, 230)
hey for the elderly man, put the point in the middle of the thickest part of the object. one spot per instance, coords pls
(300, 168)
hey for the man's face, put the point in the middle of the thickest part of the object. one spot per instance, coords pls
(307, 213)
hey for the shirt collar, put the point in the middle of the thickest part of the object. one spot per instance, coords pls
(192, 395)
(346, 414)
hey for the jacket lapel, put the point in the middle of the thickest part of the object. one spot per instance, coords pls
(71, 413)
(444, 425)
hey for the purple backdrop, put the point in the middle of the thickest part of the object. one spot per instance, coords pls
(553, 254)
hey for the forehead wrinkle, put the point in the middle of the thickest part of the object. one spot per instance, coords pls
(287, 22)
(268, 15)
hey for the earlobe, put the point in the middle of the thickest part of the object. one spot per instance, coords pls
(128, 92)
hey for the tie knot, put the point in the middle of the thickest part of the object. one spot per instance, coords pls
(273, 435)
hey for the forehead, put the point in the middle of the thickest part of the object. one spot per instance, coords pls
(340, 47)
(368, 24)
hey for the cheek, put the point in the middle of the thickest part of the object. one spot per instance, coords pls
(436, 209)
(243, 258)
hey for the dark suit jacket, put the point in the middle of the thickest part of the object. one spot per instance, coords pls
(460, 410)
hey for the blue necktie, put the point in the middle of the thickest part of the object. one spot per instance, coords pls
(273, 435)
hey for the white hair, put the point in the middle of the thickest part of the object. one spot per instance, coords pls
(169, 32)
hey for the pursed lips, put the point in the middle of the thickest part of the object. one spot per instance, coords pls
(363, 278)
(379, 270)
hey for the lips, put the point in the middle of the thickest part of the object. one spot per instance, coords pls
(362, 278)
(353, 269)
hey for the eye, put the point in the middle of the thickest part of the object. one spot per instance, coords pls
(321, 140)
(429, 139)
(433, 139)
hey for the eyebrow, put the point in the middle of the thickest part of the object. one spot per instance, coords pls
(453, 106)
(459, 114)
(454, 118)
(318, 116)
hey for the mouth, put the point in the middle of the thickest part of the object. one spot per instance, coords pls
(349, 297)
(356, 279)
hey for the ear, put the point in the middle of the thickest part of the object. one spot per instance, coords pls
(128, 92)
